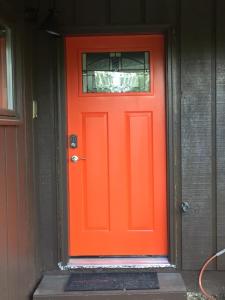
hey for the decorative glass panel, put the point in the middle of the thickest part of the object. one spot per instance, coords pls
(116, 72)
(6, 90)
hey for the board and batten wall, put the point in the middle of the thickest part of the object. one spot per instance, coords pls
(220, 129)
(19, 267)
(199, 28)
(203, 131)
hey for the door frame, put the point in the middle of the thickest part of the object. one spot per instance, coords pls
(173, 140)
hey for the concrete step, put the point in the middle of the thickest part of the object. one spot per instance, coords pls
(171, 288)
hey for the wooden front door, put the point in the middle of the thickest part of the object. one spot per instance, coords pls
(117, 145)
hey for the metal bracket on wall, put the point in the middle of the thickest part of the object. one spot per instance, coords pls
(185, 206)
(34, 110)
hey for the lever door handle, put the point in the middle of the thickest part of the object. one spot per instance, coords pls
(76, 158)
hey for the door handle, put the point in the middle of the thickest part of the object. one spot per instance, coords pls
(75, 158)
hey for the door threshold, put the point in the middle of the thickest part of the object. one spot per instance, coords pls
(117, 263)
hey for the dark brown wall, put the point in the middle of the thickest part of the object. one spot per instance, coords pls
(19, 269)
(45, 90)
(220, 128)
(198, 130)
(202, 115)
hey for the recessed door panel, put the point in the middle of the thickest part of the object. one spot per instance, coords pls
(95, 171)
(140, 171)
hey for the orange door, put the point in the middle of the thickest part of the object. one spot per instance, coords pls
(116, 130)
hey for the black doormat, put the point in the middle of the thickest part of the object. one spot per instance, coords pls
(112, 281)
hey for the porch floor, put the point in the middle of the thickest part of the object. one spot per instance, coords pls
(171, 287)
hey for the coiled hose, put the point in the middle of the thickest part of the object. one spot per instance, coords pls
(204, 292)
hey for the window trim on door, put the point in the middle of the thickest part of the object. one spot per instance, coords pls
(173, 143)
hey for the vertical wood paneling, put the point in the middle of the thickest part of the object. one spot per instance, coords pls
(127, 12)
(220, 113)
(3, 220)
(161, 12)
(45, 142)
(25, 221)
(17, 275)
(12, 208)
(66, 11)
(198, 225)
(29, 264)
(88, 12)
(18, 266)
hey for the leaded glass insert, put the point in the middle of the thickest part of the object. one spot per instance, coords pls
(116, 72)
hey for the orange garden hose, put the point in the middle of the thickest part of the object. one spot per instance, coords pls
(204, 292)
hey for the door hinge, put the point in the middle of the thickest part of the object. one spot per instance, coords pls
(34, 110)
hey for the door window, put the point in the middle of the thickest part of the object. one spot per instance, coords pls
(116, 72)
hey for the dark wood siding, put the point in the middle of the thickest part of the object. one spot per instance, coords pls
(162, 12)
(19, 269)
(220, 125)
(82, 15)
(126, 12)
(18, 250)
(198, 235)
(46, 147)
